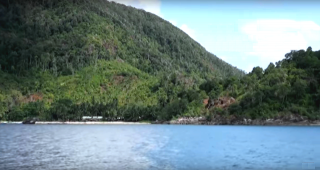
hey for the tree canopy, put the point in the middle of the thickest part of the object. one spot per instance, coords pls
(64, 59)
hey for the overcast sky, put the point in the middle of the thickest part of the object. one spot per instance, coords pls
(243, 33)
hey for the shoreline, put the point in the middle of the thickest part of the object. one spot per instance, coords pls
(79, 123)
(175, 122)
(242, 122)
(216, 120)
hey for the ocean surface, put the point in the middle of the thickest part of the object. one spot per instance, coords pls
(158, 147)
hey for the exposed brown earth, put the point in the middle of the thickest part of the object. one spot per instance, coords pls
(224, 102)
(33, 97)
(221, 102)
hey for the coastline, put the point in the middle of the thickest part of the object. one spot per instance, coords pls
(93, 123)
(187, 121)
(238, 121)
(79, 123)
(243, 124)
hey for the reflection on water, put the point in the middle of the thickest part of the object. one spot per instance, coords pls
(158, 147)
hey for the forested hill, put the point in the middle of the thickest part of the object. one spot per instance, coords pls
(76, 54)
(63, 36)
(64, 59)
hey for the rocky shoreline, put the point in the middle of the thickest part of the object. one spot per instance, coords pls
(237, 121)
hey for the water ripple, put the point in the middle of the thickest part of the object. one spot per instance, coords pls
(158, 147)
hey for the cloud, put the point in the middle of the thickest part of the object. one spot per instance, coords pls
(173, 22)
(188, 30)
(153, 6)
(272, 39)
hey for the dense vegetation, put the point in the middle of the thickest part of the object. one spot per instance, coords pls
(63, 36)
(88, 52)
(291, 86)
(63, 59)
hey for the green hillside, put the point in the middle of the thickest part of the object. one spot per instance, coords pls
(288, 88)
(95, 52)
(63, 59)
(63, 36)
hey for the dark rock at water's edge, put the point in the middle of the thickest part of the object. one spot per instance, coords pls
(30, 121)
(232, 120)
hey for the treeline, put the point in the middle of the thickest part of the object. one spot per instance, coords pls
(66, 110)
(288, 88)
(291, 86)
(130, 90)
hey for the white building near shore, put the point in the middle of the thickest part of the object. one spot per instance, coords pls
(91, 117)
